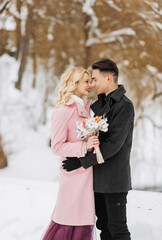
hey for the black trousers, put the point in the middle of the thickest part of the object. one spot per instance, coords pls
(111, 216)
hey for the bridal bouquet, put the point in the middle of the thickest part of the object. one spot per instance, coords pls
(90, 127)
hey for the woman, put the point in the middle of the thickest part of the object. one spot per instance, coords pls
(74, 216)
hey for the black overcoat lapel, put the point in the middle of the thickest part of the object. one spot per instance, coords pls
(101, 108)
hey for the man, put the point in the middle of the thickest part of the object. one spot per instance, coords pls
(112, 179)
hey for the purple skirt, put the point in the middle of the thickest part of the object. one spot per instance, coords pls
(57, 231)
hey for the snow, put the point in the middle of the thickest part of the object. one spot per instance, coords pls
(155, 6)
(152, 69)
(7, 20)
(124, 31)
(159, 75)
(142, 43)
(143, 54)
(144, 215)
(9, 24)
(87, 7)
(3, 4)
(111, 4)
(92, 24)
(50, 37)
(26, 207)
(110, 37)
(92, 41)
(25, 142)
(35, 161)
(147, 145)
(156, 25)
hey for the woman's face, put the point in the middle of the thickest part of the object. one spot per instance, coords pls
(83, 86)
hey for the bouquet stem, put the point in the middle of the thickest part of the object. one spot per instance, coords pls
(99, 155)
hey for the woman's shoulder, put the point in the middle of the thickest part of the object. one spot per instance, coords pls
(64, 112)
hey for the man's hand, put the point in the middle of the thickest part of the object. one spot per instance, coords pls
(71, 164)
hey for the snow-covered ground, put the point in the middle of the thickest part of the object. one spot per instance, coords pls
(34, 159)
(26, 207)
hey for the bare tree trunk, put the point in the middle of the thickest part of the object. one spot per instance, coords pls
(24, 47)
(87, 49)
(2, 42)
(34, 54)
(18, 29)
(3, 35)
(23, 62)
(159, 4)
(3, 158)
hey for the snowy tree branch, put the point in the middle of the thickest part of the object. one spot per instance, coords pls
(150, 119)
(4, 7)
(157, 95)
(154, 9)
(11, 14)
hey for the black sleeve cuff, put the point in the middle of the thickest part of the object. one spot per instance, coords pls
(89, 160)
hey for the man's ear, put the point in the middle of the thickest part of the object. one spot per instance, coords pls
(109, 78)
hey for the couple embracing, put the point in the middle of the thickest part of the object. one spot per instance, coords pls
(90, 192)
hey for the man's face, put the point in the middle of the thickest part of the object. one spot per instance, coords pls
(99, 81)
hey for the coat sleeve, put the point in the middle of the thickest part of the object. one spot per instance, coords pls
(117, 134)
(59, 133)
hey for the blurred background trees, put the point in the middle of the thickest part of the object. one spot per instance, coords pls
(56, 34)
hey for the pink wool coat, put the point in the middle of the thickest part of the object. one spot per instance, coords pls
(75, 201)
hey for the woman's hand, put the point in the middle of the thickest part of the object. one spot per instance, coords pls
(92, 142)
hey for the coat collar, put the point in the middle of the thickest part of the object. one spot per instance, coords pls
(70, 102)
(118, 93)
(102, 105)
(83, 112)
(78, 100)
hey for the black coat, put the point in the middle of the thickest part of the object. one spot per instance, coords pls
(115, 144)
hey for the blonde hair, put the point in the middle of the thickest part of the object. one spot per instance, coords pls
(67, 85)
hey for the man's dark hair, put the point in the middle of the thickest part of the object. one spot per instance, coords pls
(106, 65)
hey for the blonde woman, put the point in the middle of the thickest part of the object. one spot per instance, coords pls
(73, 217)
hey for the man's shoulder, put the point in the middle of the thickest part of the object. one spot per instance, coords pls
(125, 104)
(126, 100)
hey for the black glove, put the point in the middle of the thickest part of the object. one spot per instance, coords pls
(71, 164)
